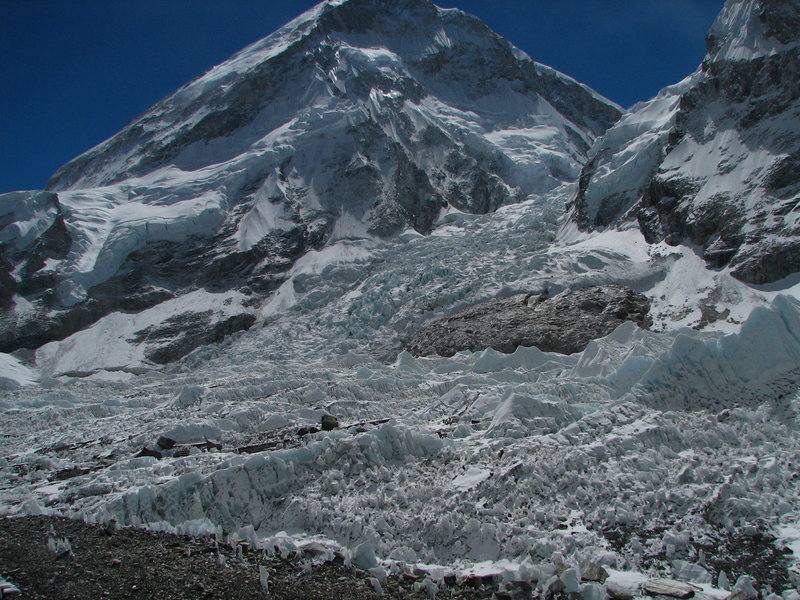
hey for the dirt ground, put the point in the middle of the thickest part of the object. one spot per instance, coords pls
(130, 564)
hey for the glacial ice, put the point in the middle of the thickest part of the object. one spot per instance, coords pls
(692, 431)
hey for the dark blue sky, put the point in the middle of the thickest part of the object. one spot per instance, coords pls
(74, 72)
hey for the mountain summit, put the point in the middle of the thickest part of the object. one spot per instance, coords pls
(360, 119)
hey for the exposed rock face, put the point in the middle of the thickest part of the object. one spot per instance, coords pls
(715, 159)
(358, 120)
(565, 323)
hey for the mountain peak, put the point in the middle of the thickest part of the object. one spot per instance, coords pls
(358, 120)
(747, 29)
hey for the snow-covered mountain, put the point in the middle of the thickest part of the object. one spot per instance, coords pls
(360, 119)
(715, 159)
(358, 225)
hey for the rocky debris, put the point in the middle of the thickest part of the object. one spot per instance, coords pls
(263, 447)
(329, 422)
(314, 549)
(565, 323)
(69, 473)
(208, 445)
(133, 563)
(669, 587)
(306, 431)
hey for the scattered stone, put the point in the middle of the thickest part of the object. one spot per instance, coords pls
(592, 571)
(111, 527)
(254, 448)
(165, 443)
(669, 587)
(480, 581)
(208, 445)
(65, 474)
(519, 588)
(162, 565)
(314, 549)
(329, 422)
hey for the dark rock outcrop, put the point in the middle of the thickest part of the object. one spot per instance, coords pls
(565, 323)
(177, 336)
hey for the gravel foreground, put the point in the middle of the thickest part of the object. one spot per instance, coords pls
(131, 563)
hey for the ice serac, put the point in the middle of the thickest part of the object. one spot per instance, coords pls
(715, 159)
(360, 119)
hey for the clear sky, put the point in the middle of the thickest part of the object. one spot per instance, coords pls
(74, 72)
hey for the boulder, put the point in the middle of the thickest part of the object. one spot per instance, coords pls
(148, 452)
(669, 587)
(591, 571)
(165, 443)
(329, 422)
